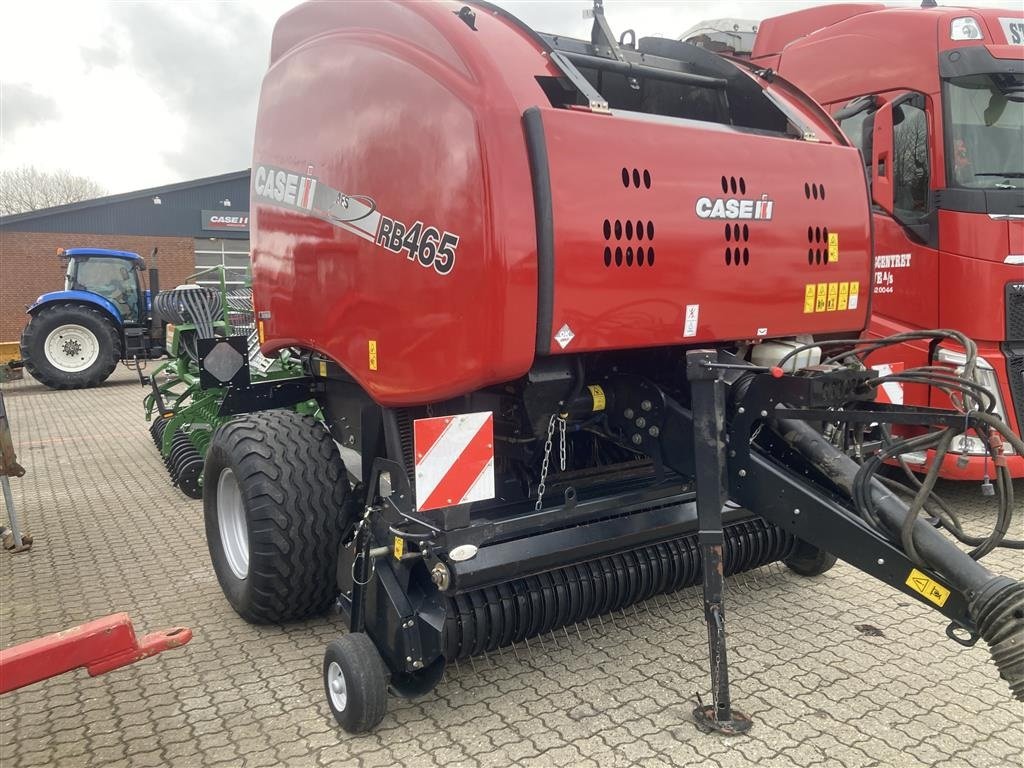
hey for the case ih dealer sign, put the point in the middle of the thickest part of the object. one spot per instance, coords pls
(221, 220)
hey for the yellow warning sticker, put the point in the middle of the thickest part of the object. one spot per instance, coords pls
(323, 368)
(833, 246)
(929, 588)
(373, 355)
(597, 394)
(844, 295)
(259, 327)
(808, 298)
(854, 294)
(399, 549)
(821, 301)
(833, 296)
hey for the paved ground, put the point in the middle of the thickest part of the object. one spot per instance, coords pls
(112, 535)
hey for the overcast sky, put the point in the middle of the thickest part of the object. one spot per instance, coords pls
(139, 94)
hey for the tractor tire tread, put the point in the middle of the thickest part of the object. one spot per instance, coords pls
(33, 338)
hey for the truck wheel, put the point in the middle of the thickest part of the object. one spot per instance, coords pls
(808, 560)
(274, 499)
(70, 346)
(356, 682)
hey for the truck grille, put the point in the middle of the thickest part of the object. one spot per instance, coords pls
(1015, 311)
(1015, 370)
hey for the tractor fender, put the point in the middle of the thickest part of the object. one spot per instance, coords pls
(82, 297)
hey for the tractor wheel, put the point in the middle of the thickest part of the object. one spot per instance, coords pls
(808, 560)
(274, 499)
(70, 346)
(356, 682)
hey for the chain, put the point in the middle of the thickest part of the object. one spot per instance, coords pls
(561, 444)
(541, 487)
(546, 464)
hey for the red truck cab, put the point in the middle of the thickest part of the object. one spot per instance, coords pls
(934, 99)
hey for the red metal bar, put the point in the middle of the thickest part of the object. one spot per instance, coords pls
(100, 646)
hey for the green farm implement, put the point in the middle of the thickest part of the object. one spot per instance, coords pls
(185, 404)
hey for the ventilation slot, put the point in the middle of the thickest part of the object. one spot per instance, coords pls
(636, 177)
(817, 251)
(814, 191)
(734, 185)
(620, 236)
(736, 255)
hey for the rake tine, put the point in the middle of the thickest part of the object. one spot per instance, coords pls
(472, 663)
(577, 626)
(565, 632)
(516, 652)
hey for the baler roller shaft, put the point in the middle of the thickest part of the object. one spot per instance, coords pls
(483, 620)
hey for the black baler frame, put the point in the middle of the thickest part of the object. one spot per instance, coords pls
(716, 449)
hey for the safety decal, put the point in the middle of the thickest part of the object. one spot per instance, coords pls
(891, 391)
(809, 293)
(929, 588)
(692, 319)
(429, 246)
(399, 548)
(833, 247)
(564, 336)
(454, 461)
(598, 396)
(372, 354)
(831, 297)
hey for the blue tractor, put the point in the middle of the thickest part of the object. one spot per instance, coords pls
(76, 337)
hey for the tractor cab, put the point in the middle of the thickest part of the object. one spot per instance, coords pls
(114, 275)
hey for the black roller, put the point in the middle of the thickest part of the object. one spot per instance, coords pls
(486, 619)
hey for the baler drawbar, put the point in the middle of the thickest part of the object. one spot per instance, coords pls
(581, 322)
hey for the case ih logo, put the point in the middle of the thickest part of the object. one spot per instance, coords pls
(430, 247)
(735, 208)
(222, 220)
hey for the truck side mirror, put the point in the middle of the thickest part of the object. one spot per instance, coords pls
(881, 160)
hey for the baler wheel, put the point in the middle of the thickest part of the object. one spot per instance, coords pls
(356, 682)
(808, 560)
(274, 526)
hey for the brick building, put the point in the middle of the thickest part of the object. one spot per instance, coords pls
(194, 224)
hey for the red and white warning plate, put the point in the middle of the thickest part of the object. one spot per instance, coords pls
(891, 391)
(454, 459)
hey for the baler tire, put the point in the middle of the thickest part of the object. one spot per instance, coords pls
(49, 319)
(808, 560)
(362, 700)
(292, 489)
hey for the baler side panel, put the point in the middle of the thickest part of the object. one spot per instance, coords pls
(433, 149)
(693, 291)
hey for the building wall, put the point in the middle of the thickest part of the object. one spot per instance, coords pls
(29, 266)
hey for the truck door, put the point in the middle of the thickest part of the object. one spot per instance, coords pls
(906, 256)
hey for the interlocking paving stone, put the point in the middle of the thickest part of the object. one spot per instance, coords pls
(113, 535)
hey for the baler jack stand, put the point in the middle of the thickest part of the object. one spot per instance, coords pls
(708, 392)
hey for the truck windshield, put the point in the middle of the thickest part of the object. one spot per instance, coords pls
(985, 130)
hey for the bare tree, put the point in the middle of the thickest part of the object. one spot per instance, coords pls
(29, 189)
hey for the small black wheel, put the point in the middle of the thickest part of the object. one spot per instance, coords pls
(356, 682)
(808, 560)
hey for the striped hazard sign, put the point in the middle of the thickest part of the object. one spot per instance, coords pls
(454, 459)
(891, 391)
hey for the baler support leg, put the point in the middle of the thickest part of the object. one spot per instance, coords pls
(708, 392)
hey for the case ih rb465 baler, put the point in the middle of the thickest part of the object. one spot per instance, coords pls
(554, 300)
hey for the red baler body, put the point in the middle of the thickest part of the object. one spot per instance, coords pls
(409, 113)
